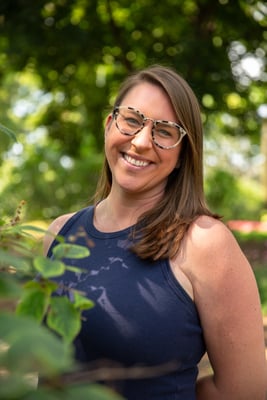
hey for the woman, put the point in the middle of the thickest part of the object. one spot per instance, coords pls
(168, 279)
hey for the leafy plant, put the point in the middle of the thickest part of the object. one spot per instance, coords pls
(28, 347)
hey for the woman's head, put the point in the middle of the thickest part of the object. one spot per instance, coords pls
(162, 229)
(186, 181)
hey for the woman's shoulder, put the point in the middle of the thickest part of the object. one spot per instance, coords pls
(206, 230)
(208, 249)
(226, 296)
(209, 243)
(53, 229)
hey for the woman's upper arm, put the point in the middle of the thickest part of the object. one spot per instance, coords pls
(53, 230)
(228, 303)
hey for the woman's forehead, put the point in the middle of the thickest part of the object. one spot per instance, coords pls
(151, 100)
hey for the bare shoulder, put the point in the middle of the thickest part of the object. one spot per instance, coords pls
(213, 253)
(54, 229)
(211, 239)
(208, 227)
(227, 299)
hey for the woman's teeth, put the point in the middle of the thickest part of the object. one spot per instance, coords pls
(133, 161)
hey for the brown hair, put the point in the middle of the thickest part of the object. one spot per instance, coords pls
(161, 229)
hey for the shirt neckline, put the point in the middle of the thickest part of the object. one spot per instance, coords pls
(90, 227)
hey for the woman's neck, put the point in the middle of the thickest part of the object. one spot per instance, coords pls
(118, 212)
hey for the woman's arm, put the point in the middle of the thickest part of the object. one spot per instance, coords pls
(227, 299)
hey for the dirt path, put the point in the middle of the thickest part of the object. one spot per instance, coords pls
(204, 366)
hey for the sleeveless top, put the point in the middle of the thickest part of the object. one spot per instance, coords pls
(142, 316)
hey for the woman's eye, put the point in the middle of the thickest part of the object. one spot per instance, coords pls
(132, 121)
(164, 133)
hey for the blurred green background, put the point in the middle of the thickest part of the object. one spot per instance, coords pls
(61, 62)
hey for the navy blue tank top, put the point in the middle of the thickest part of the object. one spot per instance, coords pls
(142, 315)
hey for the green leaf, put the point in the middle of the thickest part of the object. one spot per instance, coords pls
(44, 393)
(13, 386)
(48, 268)
(83, 392)
(7, 259)
(8, 286)
(32, 228)
(91, 392)
(41, 284)
(8, 132)
(64, 318)
(32, 348)
(81, 302)
(34, 303)
(75, 269)
(67, 250)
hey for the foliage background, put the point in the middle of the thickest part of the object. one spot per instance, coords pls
(61, 62)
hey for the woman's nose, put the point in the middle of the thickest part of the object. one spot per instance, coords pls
(143, 139)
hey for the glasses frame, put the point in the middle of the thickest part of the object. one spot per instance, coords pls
(116, 112)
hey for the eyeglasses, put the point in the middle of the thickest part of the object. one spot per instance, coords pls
(165, 134)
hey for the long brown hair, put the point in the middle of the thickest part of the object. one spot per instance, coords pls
(161, 229)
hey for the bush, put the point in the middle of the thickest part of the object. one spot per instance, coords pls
(28, 347)
(232, 197)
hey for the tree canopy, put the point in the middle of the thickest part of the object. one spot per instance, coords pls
(62, 62)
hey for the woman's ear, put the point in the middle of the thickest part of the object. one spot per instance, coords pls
(108, 123)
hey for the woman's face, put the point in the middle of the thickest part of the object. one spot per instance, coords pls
(138, 166)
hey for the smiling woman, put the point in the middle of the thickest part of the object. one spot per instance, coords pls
(137, 165)
(167, 277)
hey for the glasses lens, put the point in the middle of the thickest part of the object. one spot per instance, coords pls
(166, 135)
(129, 121)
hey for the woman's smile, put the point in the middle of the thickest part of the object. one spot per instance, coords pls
(129, 154)
(135, 161)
